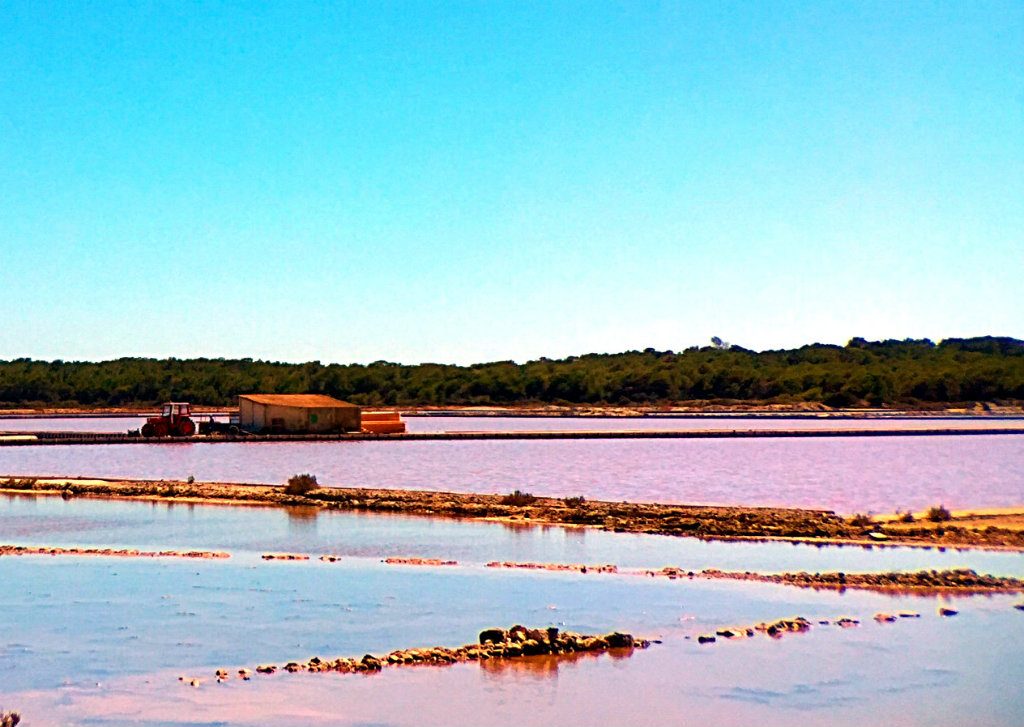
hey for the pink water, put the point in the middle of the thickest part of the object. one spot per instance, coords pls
(877, 474)
(518, 424)
(700, 423)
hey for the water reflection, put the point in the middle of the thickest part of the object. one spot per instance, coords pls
(544, 667)
(302, 521)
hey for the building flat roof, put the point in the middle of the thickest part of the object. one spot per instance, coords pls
(304, 401)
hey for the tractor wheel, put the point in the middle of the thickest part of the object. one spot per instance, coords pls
(185, 428)
(148, 430)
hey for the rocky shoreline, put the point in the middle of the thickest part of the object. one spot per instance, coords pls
(698, 521)
(17, 550)
(515, 642)
(926, 582)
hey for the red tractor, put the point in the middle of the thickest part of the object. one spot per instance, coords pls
(174, 421)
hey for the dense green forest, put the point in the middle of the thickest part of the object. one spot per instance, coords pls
(862, 373)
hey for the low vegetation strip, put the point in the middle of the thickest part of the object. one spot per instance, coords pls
(515, 642)
(862, 373)
(707, 522)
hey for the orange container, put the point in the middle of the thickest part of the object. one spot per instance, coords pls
(383, 422)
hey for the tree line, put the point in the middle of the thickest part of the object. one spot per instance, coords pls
(862, 373)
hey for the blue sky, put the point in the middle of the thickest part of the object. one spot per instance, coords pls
(465, 182)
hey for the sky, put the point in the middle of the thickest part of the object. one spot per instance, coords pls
(475, 181)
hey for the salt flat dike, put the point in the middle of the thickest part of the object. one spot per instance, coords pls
(41, 438)
(518, 641)
(1003, 529)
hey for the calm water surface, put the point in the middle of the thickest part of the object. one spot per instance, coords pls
(703, 422)
(100, 641)
(876, 474)
(28, 520)
(95, 641)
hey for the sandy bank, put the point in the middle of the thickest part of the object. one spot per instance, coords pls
(1002, 530)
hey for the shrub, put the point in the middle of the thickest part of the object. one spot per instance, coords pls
(907, 517)
(518, 499)
(860, 520)
(301, 484)
(191, 479)
(574, 501)
(939, 514)
(19, 484)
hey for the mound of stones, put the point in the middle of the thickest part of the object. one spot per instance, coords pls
(109, 552)
(419, 561)
(517, 641)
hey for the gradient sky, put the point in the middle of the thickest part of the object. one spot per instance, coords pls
(464, 182)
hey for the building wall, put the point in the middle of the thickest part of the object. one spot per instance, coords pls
(257, 417)
(245, 414)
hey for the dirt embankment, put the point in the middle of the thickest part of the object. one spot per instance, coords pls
(993, 530)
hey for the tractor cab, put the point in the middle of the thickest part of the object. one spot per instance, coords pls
(175, 420)
(176, 409)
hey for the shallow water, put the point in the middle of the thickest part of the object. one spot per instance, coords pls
(29, 520)
(871, 474)
(99, 641)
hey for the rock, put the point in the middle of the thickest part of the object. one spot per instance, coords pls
(1019, 606)
(618, 640)
(706, 639)
(847, 622)
(943, 611)
(875, 535)
(493, 636)
(909, 614)
(266, 669)
(884, 617)
(371, 662)
(532, 647)
(538, 635)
